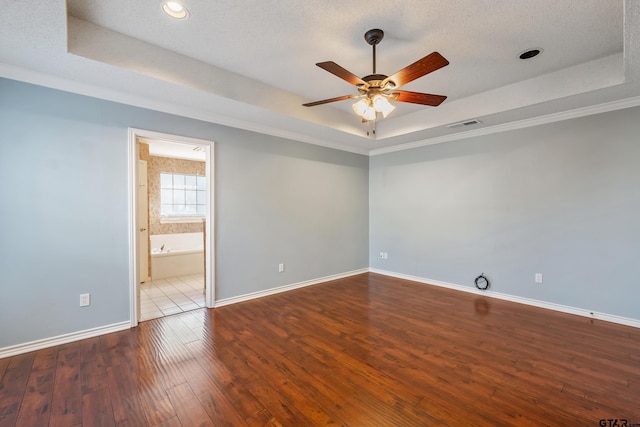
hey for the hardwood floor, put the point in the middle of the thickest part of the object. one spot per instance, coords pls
(368, 350)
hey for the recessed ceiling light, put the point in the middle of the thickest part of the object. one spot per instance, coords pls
(175, 9)
(530, 53)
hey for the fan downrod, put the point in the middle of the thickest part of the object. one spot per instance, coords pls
(373, 37)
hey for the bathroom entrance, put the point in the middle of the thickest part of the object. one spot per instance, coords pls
(173, 226)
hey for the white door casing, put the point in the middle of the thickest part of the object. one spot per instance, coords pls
(143, 223)
(135, 234)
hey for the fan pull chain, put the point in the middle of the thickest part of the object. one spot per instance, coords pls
(371, 124)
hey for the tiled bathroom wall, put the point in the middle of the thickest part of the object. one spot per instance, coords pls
(157, 165)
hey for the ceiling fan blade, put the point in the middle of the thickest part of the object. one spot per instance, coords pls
(418, 98)
(326, 101)
(421, 67)
(344, 74)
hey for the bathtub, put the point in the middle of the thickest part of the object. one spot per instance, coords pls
(176, 255)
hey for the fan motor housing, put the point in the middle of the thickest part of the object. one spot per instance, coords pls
(375, 82)
(373, 78)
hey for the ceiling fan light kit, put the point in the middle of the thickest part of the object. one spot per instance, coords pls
(382, 105)
(377, 90)
(368, 107)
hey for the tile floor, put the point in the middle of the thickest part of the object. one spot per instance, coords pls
(172, 295)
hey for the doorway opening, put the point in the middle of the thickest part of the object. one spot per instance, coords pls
(171, 224)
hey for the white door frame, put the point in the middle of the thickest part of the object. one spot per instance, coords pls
(143, 276)
(133, 234)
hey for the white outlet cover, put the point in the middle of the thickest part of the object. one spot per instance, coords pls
(85, 300)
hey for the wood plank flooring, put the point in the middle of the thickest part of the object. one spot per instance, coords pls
(368, 350)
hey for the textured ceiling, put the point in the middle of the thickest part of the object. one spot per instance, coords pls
(250, 64)
(278, 42)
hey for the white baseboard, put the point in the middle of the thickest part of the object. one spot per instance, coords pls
(62, 339)
(285, 288)
(513, 298)
(94, 332)
(90, 333)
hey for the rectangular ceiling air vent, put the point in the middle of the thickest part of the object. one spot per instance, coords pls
(469, 122)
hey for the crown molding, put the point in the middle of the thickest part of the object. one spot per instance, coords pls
(67, 85)
(520, 124)
(59, 83)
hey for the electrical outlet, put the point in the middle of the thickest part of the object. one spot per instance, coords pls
(381, 255)
(384, 255)
(85, 300)
(280, 267)
(538, 277)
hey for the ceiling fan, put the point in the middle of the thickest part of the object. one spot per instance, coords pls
(376, 90)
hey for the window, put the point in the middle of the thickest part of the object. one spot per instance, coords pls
(182, 195)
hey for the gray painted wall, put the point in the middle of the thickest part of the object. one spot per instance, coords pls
(560, 199)
(63, 192)
(283, 201)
